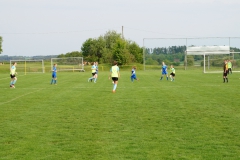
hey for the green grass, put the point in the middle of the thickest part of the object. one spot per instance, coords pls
(195, 117)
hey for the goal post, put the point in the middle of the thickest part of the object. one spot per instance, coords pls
(68, 64)
(29, 66)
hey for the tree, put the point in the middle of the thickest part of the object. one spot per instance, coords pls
(118, 52)
(1, 45)
(111, 37)
(136, 51)
(111, 47)
(93, 49)
(86, 48)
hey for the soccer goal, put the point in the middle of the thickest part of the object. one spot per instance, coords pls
(208, 53)
(68, 64)
(29, 66)
(215, 56)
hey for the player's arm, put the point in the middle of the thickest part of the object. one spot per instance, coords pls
(118, 72)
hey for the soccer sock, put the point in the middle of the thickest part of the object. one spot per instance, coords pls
(131, 79)
(167, 78)
(55, 81)
(52, 81)
(114, 87)
(161, 78)
(95, 79)
(11, 83)
(227, 79)
(223, 79)
(14, 81)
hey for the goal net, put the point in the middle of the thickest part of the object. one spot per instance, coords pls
(68, 64)
(29, 66)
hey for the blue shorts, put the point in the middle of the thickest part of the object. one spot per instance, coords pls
(54, 75)
(164, 72)
(134, 77)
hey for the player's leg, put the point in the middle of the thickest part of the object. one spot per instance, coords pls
(95, 79)
(90, 79)
(11, 80)
(170, 76)
(115, 80)
(55, 80)
(14, 82)
(52, 79)
(161, 76)
(224, 76)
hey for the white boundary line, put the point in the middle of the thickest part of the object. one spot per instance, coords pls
(19, 96)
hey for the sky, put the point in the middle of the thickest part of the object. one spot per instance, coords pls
(53, 27)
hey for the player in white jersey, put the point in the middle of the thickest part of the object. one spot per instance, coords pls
(115, 74)
(172, 74)
(96, 75)
(93, 68)
(13, 75)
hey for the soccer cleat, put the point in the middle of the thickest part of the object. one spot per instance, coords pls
(12, 86)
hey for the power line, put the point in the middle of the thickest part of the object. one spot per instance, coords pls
(59, 32)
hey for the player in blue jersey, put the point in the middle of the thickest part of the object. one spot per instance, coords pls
(164, 71)
(133, 74)
(93, 68)
(13, 75)
(54, 74)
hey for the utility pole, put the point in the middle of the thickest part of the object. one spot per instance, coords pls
(122, 32)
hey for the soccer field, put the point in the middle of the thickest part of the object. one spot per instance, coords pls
(195, 117)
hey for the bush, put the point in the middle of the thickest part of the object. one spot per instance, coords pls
(176, 63)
